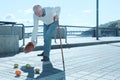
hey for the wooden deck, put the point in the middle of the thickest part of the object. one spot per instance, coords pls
(96, 62)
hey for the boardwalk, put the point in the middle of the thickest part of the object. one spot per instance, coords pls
(100, 62)
(96, 62)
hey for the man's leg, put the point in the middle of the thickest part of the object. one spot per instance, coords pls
(47, 38)
(45, 28)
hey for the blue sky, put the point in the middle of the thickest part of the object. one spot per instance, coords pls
(73, 12)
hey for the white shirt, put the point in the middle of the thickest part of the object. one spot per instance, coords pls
(50, 12)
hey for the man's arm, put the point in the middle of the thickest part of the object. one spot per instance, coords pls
(35, 29)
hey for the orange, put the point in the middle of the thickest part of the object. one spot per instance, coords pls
(18, 72)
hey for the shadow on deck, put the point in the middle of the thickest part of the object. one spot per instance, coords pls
(48, 73)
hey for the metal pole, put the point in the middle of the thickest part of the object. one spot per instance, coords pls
(97, 19)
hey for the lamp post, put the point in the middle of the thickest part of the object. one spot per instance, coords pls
(97, 19)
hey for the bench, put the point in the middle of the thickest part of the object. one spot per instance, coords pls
(62, 34)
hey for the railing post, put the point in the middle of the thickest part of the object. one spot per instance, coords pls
(97, 18)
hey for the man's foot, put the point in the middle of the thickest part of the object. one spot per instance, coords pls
(45, 58)
(40, 54)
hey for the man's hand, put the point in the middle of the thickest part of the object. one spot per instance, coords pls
(29, 47)
(56, 18)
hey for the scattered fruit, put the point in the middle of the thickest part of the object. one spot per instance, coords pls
(16, 65)
(37, 70)
(18, 72)
(28, 65)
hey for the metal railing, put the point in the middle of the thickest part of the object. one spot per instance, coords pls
(79, 30)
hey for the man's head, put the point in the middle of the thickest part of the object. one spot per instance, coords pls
(37, 10)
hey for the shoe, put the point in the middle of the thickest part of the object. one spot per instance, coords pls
(45, 58)
(40, 54)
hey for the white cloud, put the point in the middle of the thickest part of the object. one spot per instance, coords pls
(13, 18)
(69, 15)
(28, 11)
(88, 11)
(10, 16)
(26, 21)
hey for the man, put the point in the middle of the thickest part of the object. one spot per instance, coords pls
(49, 16)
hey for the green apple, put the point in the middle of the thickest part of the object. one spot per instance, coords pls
(37, 70)
(16, 65)
(28, 65)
